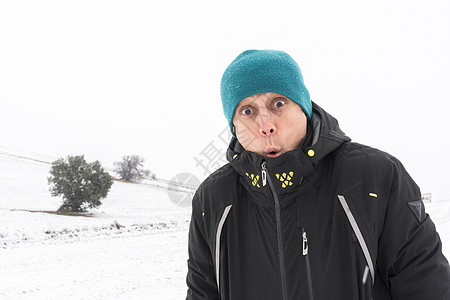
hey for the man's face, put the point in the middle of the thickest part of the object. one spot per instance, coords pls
(269, 124)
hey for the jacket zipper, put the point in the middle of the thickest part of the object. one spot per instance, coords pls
(308, 266)
(265, 178)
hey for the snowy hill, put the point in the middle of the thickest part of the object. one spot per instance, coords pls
(133, 247)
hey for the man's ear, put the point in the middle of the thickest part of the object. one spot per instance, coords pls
(233, 129)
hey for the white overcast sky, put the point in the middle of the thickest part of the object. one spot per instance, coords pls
(112, 78)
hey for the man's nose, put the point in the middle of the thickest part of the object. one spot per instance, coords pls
(266, 124)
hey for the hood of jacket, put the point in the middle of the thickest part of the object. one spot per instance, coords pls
(292, 168)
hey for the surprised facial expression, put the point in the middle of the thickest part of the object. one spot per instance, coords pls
(269, 124)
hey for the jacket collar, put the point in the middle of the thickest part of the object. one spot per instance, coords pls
(294, 168)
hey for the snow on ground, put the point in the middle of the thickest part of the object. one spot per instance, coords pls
(150, 266)
(133, 247)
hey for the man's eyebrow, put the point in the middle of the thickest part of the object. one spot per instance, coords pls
(242, 104)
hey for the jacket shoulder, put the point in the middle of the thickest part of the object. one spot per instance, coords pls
(363, 155)
(217, 190)
(372, 168)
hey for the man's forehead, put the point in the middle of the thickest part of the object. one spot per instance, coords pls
(260, 97)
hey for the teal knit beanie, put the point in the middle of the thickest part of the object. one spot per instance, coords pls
(262, 71)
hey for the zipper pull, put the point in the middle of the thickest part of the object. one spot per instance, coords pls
(305, 243)
(264, 173)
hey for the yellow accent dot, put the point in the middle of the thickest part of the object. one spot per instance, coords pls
(311, 152)
(373, 195)
(234, 156)
(203, 214)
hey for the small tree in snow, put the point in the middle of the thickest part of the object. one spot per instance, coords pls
(131, 168)
(82, 185)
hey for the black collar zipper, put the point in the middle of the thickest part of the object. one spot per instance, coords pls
(266, 179)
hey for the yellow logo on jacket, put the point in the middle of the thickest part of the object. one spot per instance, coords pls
(285, 179)
(254, 179)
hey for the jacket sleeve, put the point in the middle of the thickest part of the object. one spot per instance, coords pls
(410, 258)
(201, 280)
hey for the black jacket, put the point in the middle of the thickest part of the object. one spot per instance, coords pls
(332, 219)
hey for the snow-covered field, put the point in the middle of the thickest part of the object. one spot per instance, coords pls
(133, 247)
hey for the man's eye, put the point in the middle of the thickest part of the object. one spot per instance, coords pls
(246, 111)
(279, 103)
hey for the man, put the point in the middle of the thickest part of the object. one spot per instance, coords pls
(300, 212)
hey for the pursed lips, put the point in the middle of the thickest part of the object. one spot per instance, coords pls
(272, 152)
